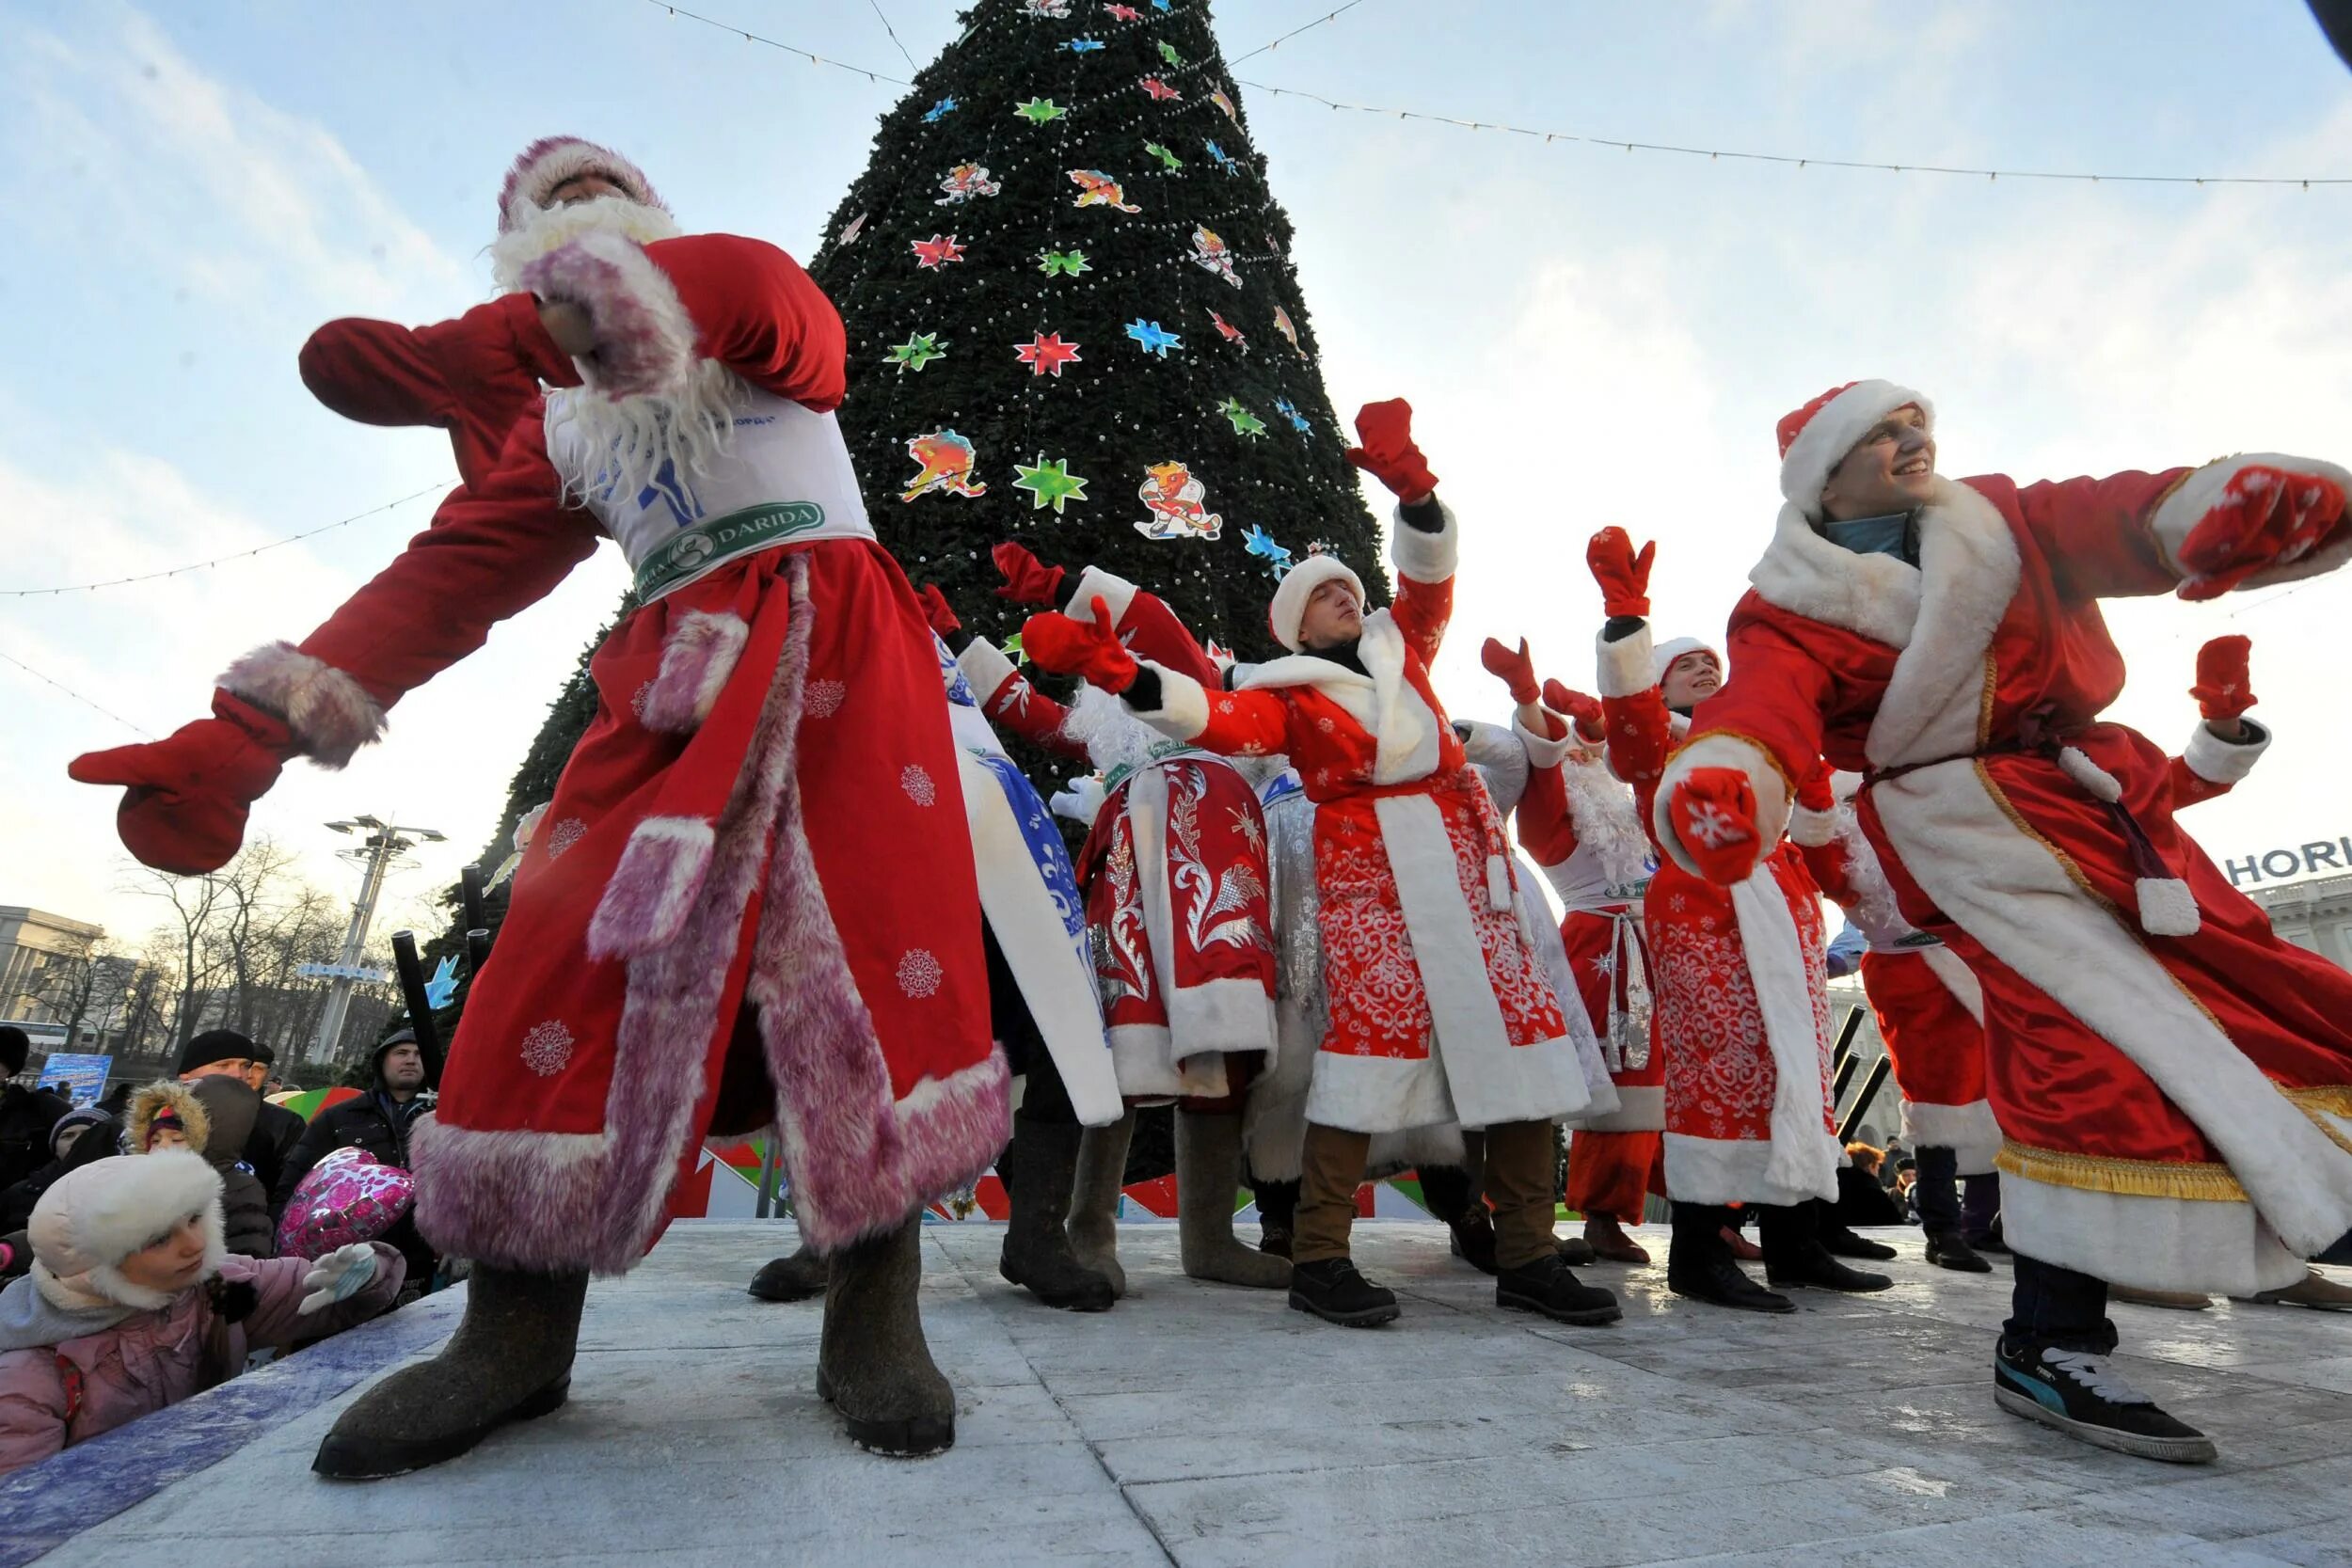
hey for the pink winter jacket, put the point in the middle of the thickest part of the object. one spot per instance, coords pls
(153, 1359)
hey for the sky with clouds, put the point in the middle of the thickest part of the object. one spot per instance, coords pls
(1588, 335)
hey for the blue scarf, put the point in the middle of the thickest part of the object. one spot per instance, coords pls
(1896, 533)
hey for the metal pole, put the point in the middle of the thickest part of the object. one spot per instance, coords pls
(1870, 1086)
(355, 945)
(1846, 1033)
(766, 1209)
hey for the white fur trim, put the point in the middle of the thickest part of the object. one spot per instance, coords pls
(1625, 665)
(330, 714)
(1289, 604)
(1832, 431)
(1724, 751)
(1378, 1094)
(1414, 1148)
(1116, 593)
(1183, 710)
(1733, 1170)
(1968, 1130)
(1805, 1154)
(548, 228)
(1407, 728)
(1662, 656)
(1148, 1075)
(1542, 750)
(698, 656)
(547, 164)
(1877, 596)
(2011, 894)
(2091, 779)
(653, 888)
(645, 340)
(2167, 908)
(1959, 979)
(1544, 937)
(1056, 982)
(2224, 762)
(1641, 1108)
(2197, 495)
(1430, 558)
(2153, 1243)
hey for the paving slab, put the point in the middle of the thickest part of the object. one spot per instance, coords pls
(1202, 1425)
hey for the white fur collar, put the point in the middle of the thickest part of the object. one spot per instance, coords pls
(1403, 725)
(1877, 596)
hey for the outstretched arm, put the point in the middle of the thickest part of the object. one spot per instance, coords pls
(2246, 521)
(1008, 698)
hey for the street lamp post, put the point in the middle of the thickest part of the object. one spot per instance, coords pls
(377, 852)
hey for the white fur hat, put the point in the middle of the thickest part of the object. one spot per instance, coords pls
(1662, 655)
(1290, 600)
(552, 160)
(94, 1217)
(1816, 438)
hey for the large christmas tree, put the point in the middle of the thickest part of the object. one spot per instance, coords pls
(1072, 321)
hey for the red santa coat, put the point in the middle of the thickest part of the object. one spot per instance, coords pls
(1740, 982)
(1440, 1008)
(683, 864)
(1173, 869)
(2175, 1106)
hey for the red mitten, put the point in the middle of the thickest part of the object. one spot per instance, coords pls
(1515, 669)
(1713, 813)
(1388, 453)
(2225, 688)
(1027, 580)
(1590, 723)
(185, 797)
(935, 609)
(1070, 647)
(1622, 576)
(2265, 517)
(1817, 793)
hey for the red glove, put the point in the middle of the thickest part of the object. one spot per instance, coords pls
(935, 609)
(1388, 453)
(2265, 517)
(1622, 576)
(1590, 723)
(2224, 689)
(1070, 647)
(184, 806)
(1027, 580)
(1713, 813)
(1515, 669)
(1817, 793)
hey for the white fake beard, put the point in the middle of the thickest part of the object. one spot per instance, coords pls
(552, 226)
(627, 439)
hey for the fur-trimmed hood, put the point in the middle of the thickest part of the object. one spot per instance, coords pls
(147, 1103)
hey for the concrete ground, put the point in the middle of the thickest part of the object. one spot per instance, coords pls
(1206, 1426)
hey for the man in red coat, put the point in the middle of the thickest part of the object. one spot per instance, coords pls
(683, 867)
(2173, 1084)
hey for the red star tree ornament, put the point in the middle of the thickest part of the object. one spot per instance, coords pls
(937, 251)
(1046, 353)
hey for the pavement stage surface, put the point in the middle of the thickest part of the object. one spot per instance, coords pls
(1205, 1426)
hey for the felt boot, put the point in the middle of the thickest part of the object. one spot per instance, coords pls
(510, 1360)
(871, 1361)
(1208, 1173)
(1037, 1168)
(794, 1278)
(1102, 1174)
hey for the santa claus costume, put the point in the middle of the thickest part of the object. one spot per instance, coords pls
(2172, 1081)
(1578, 823)
(1174, 876)
(1740, 993)
(1439, 1007)
(683, 867)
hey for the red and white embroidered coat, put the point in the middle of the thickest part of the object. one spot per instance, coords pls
(1174, 868)
(2173, 1081)
(681, 869)
(1441, 1010)
(1741, 985)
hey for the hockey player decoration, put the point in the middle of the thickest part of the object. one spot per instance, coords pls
(1210, 252)
(962, 183)
(946, 461)
(1176, 500)
(1097, 189)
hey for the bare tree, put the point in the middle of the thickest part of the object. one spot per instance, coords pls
(67, 986)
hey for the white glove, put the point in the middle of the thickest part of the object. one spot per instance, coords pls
(338, 1276)
(1080, 801)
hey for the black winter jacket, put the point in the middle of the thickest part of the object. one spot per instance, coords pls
(374, 1122)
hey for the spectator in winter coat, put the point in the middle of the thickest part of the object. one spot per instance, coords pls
(224, 1053)
(381, 1122)
(25, 1114)
(213, 1118)
(79, 1138)
(134, 1303)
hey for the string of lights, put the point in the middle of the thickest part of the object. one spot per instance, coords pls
(234, 554)
(893, 35)
(76, 696)
(1792, 160)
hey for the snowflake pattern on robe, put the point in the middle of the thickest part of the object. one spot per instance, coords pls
(1045, 846)
(547, 1047)
(1122, 946)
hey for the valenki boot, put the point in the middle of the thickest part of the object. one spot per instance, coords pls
(1094, 1200)
(1037, 1168)
(794, 1278)
(871, 1362)
(510, 1360)
(1208, 1178)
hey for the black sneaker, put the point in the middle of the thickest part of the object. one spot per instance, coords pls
(1332, 1290)
(1948, 1250)
(2083, 1396)
(1546, 1286)
(1839, 1241)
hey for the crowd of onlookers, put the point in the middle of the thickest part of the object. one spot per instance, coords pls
(156, 1244)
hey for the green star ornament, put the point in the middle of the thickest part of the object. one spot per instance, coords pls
(1066, 262)
(1244, 423)
(1039, 111)
(1049, 483)
(919, 350)
(1167, 159)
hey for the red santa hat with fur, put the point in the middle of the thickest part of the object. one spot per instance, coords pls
(1816, 438)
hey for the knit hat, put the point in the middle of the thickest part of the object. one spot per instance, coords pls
(16, 1048)
(1816, 438)
(1662, 655)
(403, 1035)
(91, 1219)
(1299, 583)
(215, 1045)
(552, 160)
(81, 1115)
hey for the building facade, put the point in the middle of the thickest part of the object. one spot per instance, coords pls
(2317, 915)
(35, 946)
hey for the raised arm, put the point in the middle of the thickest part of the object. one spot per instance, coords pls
(2225, 745)
(1423, 544)
(1009, 701)
(1232, 723)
